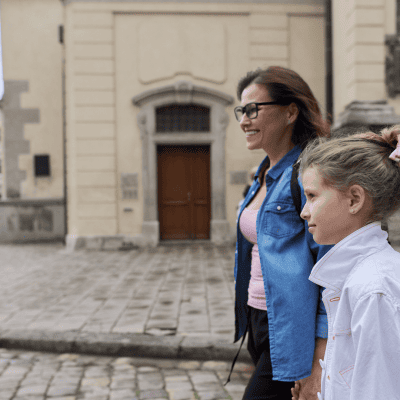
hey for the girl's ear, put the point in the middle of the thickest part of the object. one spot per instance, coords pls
(357, 198)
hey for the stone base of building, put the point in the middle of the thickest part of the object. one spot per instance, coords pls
(32, 220)
(98, 242)
(220, 235)
(366, 114)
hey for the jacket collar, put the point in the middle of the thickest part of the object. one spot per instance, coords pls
(332, 270)
(276, 171)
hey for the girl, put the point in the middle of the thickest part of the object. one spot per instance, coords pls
(351, 185)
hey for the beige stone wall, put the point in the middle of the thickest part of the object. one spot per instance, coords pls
(359, 33)
(33, 54)
(391, 16)
(113, 53)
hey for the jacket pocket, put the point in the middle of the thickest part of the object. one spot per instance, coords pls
(347, 375)
(282, 220)
(343, 339)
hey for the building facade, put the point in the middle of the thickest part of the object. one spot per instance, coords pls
(118, 115)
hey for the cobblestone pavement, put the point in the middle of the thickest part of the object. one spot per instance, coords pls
(169, 290)
(44, 376)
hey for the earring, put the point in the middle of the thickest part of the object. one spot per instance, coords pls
(352, 211)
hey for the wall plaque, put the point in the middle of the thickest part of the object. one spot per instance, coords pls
(129, 186)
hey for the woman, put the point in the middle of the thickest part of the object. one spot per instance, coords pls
(275, 302)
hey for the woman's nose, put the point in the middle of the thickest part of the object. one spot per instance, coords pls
(244, 121)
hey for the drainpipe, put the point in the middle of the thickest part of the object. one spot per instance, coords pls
(329, 61)
(61, 39)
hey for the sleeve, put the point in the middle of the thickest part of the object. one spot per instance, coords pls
(322, 319)
(318, 252)
(375, 329)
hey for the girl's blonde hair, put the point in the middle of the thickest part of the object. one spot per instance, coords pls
(361, 159)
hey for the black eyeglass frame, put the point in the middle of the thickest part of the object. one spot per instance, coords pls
(244, 109)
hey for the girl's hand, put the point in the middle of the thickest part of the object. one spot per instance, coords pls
(296, 391)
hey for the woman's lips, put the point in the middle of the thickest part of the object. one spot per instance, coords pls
(251, 133)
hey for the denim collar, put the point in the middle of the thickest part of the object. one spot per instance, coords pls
(287, 160)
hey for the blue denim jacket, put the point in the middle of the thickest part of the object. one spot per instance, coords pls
(296, 313)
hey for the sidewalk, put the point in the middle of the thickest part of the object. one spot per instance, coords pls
(171, 301)
(168, 302)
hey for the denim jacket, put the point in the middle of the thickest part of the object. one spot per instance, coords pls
(296, 313)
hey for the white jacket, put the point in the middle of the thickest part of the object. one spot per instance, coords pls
(361, 275)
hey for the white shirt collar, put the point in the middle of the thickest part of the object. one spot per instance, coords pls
(332, 270)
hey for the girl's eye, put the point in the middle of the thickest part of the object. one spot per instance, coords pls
(310, 195)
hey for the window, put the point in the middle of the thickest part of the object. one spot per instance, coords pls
(183, 118)
(42, 165)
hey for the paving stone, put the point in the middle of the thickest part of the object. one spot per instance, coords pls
(32, 390)
(174, 386)
(57, 391)
(95, 372)
(153, 394)
(173, 372)
(122, 394)
(147, 369)
(189, 365)
(97, 382)
(216, 365)
(122, 383)
(212, 395)
(150, 381)
(182, 395)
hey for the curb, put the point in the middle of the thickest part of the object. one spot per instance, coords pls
(123, 345)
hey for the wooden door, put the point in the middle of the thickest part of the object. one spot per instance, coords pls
(184, 201)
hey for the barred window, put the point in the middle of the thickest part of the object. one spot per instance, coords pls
(183, 118)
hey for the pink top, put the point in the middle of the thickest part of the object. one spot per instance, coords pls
(247, 225)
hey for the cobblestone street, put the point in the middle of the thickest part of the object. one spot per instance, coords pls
(44, 376)
(169, 290)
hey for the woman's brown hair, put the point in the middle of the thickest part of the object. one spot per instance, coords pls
(285, 87)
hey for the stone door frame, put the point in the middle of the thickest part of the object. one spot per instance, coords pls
(183, 92)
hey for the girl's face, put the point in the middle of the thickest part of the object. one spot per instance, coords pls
(327, 210)
(271, 123)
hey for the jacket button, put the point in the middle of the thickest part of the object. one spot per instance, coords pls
(279, 208)
(329, 377)
(333, 338)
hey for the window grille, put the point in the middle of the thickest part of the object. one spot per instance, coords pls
(183, 118)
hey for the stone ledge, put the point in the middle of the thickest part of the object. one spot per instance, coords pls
(123, 345)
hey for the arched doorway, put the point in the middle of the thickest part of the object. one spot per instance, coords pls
(183, 93)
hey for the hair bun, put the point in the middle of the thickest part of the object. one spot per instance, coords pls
(392, 137)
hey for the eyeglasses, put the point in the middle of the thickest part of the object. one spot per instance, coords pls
(251, 110)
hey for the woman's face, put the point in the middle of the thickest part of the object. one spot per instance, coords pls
(272, 123)
(326, 210)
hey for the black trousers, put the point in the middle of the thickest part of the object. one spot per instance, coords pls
(261, 386)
